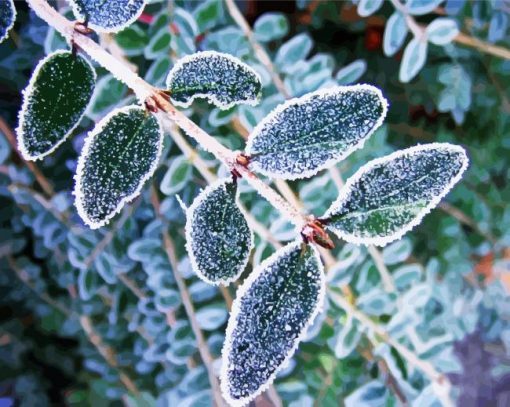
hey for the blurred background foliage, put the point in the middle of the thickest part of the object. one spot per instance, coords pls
(97, 317)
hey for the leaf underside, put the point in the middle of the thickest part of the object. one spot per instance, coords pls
(220, 78)
(270, 315)
(7, 16)
(310, 133)
(388, 196)
(119, 155)
(219, 239)
(54, 102)
(108, 15)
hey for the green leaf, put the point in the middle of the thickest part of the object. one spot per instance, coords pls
(54, 103)
(442, 31)
(388, 196)
(415, 55)
(270, 316)
(313, 132)
(271, 26)
(351, 73)
(395, 33)
(369, 7)
(293, 51)
(107, 15)
(420, 7)
(220, 78)
(132, 40)
(7, 18)
(211, 317)
(119, 155)
(209, 14)
(159, 44)
(218, 239)
(348, 338)
(178, 175)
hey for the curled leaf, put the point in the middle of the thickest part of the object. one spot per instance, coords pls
(119, 155)
(220, 78)
(218, 238)
(388, 196)
(108, 15)
(7, 17)
(307, 134)
(270, 316)
(54, 102)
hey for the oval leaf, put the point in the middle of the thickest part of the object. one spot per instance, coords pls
(415, 55)
(218, 239)
(270, 316)
(313, 132)
(220, 78)
(119, 155)
(442, 31)
(369, 7)
(54, 103)
(107, 15)
(395, 33)
(388, 196)
(7, 17)
(351, 73)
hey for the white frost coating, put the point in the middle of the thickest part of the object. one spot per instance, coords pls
(27, 93)
(236, 307)
(11, 24)
(273, 119)
(211, 97)
(190, 216)
(347, 190)
(113, 28)
(85, 152)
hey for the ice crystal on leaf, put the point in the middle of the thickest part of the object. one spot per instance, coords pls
(7, 17)
(218, 239)
(220, 78)
(54, 103)
(307, 134)
(270, 316)
(389, 196)
(108, 15)
(119, 155)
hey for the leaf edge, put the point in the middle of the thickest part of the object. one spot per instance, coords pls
(9, 27)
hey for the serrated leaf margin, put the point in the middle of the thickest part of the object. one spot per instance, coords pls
(211, 98)
(85, 152)
(27, 92)
(190, 212)
(227, 345)
(347, 188)
(9, 27)
(272, 117)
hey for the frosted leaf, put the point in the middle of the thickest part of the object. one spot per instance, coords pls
(218, 239)
(108, 15)
(119, 155)
(7, 17)
(220, 78)
(388, 196)
(54, 103)
(270, 316)
(307, 134)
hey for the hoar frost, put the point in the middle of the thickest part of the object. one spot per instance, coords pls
(310, 133)
(119, 155)
(7, 18)
(220, 78)
(389, 196)
(218, 238)
(270, 316)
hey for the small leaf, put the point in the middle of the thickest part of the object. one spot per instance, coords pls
(271, 26)
(7, 17)
(497, 26)
(420, 7)
(293, 51)
(313, 132)
(178, 175)
(209, 14)
(54, 103)
(395, 33)
(270, 316)
(132, 40)
(220, 78)
(348, 338)
(369, 7)
(107, 15)
(415, 55)
(442, 31)
(218, 239)
(388, 196)
(119, 155)
(351, 73)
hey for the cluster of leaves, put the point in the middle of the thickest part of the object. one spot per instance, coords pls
(125, 321)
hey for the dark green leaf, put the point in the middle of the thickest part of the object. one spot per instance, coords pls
(119, 155)
(220, 78)
(388, 196)
(313, 132)
(54, 103)
(218, 238)
(270, 316)
(7, 17)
